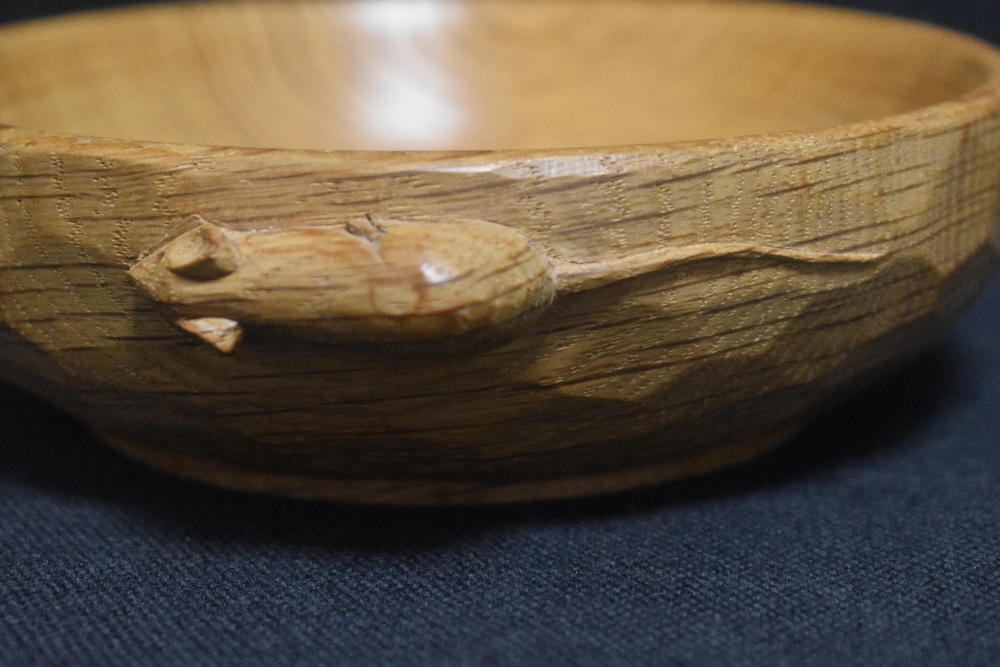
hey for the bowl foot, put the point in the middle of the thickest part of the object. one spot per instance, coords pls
(444, 492)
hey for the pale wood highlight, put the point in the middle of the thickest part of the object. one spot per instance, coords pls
(506, 314)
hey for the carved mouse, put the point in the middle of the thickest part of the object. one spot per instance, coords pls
(369, 280)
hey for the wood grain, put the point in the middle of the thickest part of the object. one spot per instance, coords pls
(683, 229)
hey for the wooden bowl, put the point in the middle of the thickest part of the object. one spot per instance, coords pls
(448, 252)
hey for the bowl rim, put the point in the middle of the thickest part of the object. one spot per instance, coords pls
(979, 102)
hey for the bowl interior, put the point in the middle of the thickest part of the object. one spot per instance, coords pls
(478, 74)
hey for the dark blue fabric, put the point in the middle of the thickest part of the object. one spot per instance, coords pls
(872, 539)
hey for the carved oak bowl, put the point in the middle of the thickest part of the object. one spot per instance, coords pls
(446, 252)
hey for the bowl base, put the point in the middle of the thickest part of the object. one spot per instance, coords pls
(444, 492)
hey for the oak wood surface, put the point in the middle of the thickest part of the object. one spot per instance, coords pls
(627, 242)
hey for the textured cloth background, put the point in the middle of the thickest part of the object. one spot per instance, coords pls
(872, 539)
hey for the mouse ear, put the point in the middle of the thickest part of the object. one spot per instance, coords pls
(203, 253)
